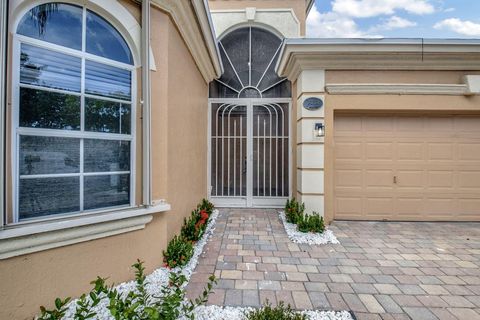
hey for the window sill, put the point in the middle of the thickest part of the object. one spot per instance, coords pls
(39, 236)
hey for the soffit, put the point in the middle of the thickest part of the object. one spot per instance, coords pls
(193, 22)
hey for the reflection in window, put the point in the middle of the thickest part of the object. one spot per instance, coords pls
(74, 129)
(107, 116)
(115, 155)
(50, 22)
(46, 196)
(49, 110)
(44, 155)
(51, 69)
(107, 81)
(106, 191)
(104, 41)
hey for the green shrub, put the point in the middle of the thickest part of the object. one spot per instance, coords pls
(206, 205)
(280, 312)
(311, 223)
(294, 211)
(178, 253)
(189, 229)
(136, 304)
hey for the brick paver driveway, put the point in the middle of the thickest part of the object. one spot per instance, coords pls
(380, 270)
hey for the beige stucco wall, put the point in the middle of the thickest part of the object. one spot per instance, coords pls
(298, 6)
(424, 104)
(179, 146)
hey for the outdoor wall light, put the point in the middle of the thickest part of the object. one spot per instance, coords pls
(319, 130)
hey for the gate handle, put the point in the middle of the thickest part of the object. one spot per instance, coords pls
(395, 179)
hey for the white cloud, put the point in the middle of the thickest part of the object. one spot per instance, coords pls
(331, 25)
(464, 27)
(449, 10)
(373, 8)
(397, 23)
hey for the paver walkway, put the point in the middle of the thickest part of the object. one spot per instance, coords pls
(381, 270)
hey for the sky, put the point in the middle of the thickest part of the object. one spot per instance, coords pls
(394, 19)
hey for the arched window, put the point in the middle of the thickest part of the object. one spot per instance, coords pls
(249, 56)
(73, 113)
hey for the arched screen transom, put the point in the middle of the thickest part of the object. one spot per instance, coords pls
(249, 56)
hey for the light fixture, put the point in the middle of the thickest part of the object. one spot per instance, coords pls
(319, 130)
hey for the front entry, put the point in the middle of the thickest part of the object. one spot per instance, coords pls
(249, 153)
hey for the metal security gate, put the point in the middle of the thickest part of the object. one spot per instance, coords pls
(249, 152)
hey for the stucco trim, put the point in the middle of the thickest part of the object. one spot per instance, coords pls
(376, 54)
(283, 22)
(411, 89)
(21, 240)
(197, 34)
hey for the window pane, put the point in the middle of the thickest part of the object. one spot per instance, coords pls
(105, 41)
(264, 46)
(49, 110)
(104, 80)
(106, 155)
(51, 22)
(106, 191)
(107, 116)
(50, 69)
(46, 155)
(237, 47)
(46, 196)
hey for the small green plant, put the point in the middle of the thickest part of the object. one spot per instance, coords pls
(311, 223)
(178, 253)
(193, 228)
(280, 312)
(57, 313)
(294, 211)
(206, 205)
(85, 304)
(136, 304)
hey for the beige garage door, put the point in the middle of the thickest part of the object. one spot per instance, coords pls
(399, 167)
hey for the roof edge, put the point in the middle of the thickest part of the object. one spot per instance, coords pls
(385, 53)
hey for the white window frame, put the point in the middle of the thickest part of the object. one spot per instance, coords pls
(16, 130)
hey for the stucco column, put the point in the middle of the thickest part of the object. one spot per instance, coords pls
(310, 149)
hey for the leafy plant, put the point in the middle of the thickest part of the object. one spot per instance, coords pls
(57, 313)
(137, 304)
(85, 304)
(311, 223)
(193, 228)
(280, 312)
(206, 205)
(294, 211)
(178, 253)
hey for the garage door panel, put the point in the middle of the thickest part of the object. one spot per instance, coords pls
(469, 151)
(375, 179)
(435, 207)
(349, 207)
(350, 151)
(376, 124)
(378, 206)
(348, 179)
(409, 151)
(441, 180)
(469, 180)
(440, 151)
(467, 124)
(408, 207)
(442, 126)
(408, 179)
(469, 207)
(379, 151)
(435, 159)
